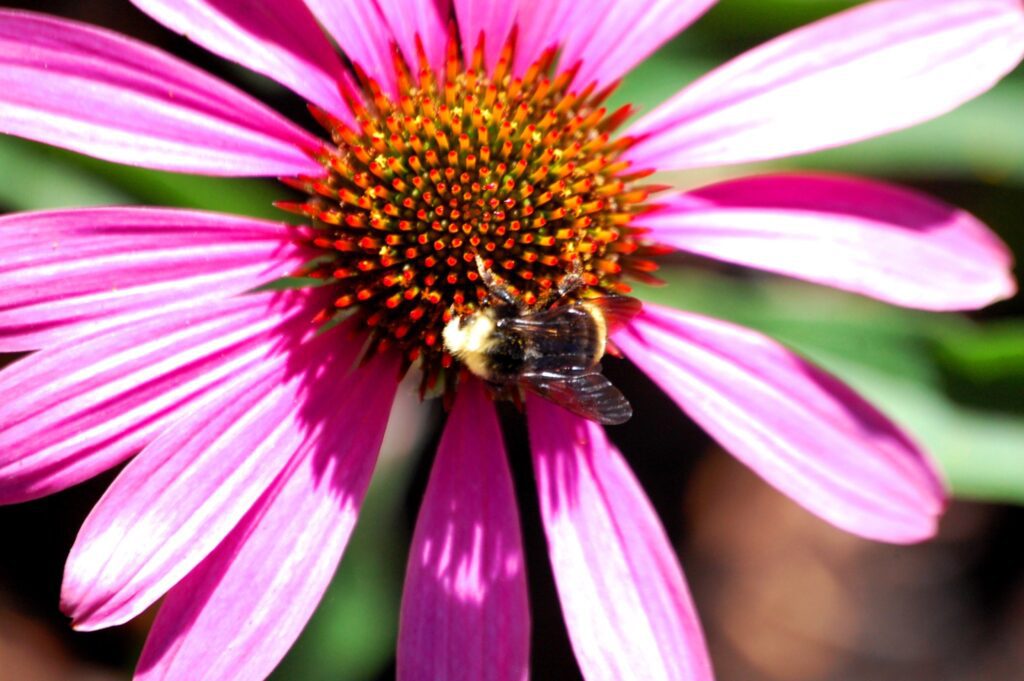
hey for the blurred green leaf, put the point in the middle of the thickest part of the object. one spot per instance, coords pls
(253, 197)
(981, 453)
(352, 634)
(761, 19)
(656, 79)
(982, 141)
(985, 353)
(37, 177)
(880, 335)
(893, 357)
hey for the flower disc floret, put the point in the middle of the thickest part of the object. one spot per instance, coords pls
(520, 170)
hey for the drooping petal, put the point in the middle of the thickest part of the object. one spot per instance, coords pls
(795, 425)
(612, 38)
(625, 602)
(882, 241)
(422, 19)
(240, 610)
(68, 273)
(873, 69)
(277, 38)
(182, 495)
(99, 93)
(491, 20)
(363, 34)
(76, 409)
(464, 610)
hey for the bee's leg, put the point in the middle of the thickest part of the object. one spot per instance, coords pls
(496, 289)
(572, 280)
(518, 399)
(507, 392)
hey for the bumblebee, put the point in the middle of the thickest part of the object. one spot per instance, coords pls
(553, 349)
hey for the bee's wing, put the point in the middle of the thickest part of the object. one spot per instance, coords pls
(617, 310)
(588, 394)
(564, 340)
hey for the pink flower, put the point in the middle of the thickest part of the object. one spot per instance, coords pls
(254, 439)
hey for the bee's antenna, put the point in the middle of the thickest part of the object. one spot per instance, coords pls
(496, 289)
(572, 279)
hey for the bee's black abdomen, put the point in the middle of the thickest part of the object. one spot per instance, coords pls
(563, 340)
(506, 357)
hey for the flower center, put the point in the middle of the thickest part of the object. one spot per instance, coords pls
(521, 171)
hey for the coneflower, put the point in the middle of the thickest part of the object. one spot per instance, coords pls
(457, 141)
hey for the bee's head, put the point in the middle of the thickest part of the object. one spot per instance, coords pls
(469, 334)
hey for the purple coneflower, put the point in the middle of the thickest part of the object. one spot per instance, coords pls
(254, 433)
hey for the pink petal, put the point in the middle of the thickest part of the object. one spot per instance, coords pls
(422, 19)
(882, 241)
(179, 498)
(614, 36)
(74, 410)
(622, 591)
(363, 34)
(465, 614)
(492, 20)
(239, 611)
(542, 25)
(278, 38)
(874, 69)
(68, 273)
(99, 93)
(799, 428)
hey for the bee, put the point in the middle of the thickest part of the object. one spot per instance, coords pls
(553, 348)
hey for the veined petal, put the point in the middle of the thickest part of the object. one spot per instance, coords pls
(802, 430)
(492, 20)
(622, 33)
(176, 500)
(362, 33)
(69, 273)
(422, 19)
(882, 241)
(99, 93)
(74, 410)
(277, 38)
(629, 613)
(870, 70)
(542, 25)
(182, 495)
(465, 614)
(240, 610)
